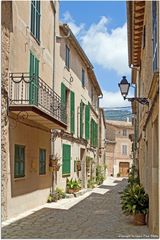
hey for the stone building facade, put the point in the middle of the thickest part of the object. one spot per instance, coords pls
(80, 92)
(50, 105)
(29, 104)
(5, 41)
(118, 147)
(143, 49)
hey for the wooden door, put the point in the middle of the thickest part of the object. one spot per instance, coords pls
(123, 169)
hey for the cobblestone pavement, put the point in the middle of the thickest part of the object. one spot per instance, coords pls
(98, 216)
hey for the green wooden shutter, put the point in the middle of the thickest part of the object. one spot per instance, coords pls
(32, 16)
(81, 119)
(66, 159)
(19, 158)
(42, 161)
(33, 88)
(87, 121)
(63, 95)
(96, 134)
(36, 80)
(37, 20)
(72, 112)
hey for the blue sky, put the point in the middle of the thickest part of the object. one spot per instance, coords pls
(100, 27)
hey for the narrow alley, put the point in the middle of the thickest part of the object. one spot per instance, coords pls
(97, 216)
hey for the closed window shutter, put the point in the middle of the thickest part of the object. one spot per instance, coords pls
(63, 95)
(81, 119)
(33, 88)
(33, 17)
(87, 121)
(66, 159)
(36, 80)
(42, 161)
(19, 167)
(72, 112)
(96, 135)
(38, 20)
(92, 132)
(31, 85)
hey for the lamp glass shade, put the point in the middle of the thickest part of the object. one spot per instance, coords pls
(124, 86)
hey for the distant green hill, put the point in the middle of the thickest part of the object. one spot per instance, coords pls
(119, 115)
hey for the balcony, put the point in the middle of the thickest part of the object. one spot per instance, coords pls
(31, 95)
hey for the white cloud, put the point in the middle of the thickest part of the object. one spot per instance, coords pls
(107, 48)
(103, 47)
(113, 99)
(76, 29)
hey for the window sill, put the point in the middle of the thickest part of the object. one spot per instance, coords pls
(38, 42)
(19, 178)
(43, 175)
(66, 175)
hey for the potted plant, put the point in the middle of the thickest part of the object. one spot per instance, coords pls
(72, 185)
(54, 163)
(135, 202)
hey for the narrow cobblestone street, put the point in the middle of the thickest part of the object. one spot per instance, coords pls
(97, 216)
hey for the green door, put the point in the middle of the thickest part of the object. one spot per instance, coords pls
(33, 87)
(66, 159)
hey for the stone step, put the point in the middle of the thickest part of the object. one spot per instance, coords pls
(81, 192)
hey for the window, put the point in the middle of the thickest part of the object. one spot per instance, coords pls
(66, 159)
(67, 60)
(87, 121)
(42, 161)
(19, 161)
(154, 35)
(81, 119)
(125, 132)
(33, 86)
(124, 149)
(94, 134)
(83, 78)
(72, 112)
(35, 19)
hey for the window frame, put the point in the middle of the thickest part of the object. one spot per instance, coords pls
(124, 149)
(83, 78)
(35, 20)
(64, 172)
(19, 161)
(67, 57)
(124, 131)
(41, 162)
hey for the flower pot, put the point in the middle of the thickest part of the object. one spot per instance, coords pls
(50, 169)
(71, 191)
(78, 167)
(139, 219)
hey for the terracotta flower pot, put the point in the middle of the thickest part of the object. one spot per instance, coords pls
(139, 219)
(78, 167)
(70, 191)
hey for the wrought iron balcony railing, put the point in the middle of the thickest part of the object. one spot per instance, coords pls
(32, 90)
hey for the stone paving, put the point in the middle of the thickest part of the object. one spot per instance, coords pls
(98, 216)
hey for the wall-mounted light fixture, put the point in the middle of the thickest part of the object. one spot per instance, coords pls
(124, 86)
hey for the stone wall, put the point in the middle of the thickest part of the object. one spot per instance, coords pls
(5, 36)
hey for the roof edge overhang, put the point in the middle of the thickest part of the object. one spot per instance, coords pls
(135, 22)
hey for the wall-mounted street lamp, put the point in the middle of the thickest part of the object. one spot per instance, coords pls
(124, 86)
